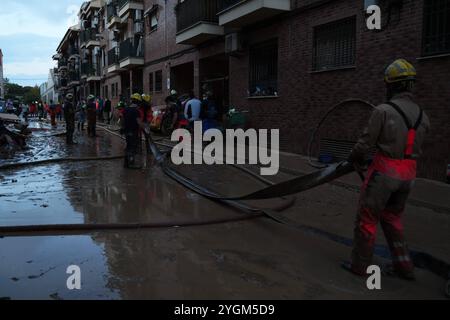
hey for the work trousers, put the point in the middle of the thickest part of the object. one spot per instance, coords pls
(382, 199)
(91, 128)
(132, 140)
(70, 128)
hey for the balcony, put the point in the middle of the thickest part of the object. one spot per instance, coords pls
(126, 5)
(239, 13)
(197, 21)
(61, 84)
(62, 65)
(73, 78)
(91, 72)
(73, 52)
(112, 15)
(113, 60)
(131, 53)
(89, 39)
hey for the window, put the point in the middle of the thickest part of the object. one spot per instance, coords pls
(117, 90)
(158, 81)
(263, 71)
(436, 27)
(151, 82)
(334, 45)
(152, 20)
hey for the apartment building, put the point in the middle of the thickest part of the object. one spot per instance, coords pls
(48, 89)
(286, 62)
(2, 84)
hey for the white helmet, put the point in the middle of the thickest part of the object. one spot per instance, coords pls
(173, 92)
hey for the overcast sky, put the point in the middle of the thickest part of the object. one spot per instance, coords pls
(30, 31)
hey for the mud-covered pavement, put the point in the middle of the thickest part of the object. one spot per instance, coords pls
(254, 259)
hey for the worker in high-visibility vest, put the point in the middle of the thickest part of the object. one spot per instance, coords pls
(397, 130)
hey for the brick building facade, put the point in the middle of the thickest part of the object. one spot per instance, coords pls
(286, 62)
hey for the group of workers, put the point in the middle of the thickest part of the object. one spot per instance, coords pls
(133, 118)
(396, 129)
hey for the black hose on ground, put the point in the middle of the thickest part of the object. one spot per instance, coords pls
(78, 229)
(420, 259)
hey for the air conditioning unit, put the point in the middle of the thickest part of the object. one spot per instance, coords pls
(233, 43)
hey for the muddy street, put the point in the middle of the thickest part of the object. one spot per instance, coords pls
(250, 259)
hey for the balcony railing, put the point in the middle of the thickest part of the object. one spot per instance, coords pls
(62, 63)
(73, 50)
(88, 35)
(191, 12)
(74, 76)
(90, 70)
(123, 3)
(61, 83)
(112, 10)
(225, 4)
(131, 48)
(113, 56)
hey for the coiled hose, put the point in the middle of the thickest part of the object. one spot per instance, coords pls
(322, 121)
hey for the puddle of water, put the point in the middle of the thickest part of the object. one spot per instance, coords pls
(35, 268)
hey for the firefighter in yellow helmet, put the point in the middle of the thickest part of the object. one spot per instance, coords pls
(130, 128)
(396, 129)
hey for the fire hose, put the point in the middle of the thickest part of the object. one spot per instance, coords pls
(420, 259)
(293, 186)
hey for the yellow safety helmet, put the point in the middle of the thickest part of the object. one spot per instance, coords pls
(400, 70)
(136, 96)
(147, 98)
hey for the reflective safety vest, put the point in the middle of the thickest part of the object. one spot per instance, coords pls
(402, 169)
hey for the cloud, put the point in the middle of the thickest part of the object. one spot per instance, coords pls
(37, 66)
(30, 31)
(42, 18)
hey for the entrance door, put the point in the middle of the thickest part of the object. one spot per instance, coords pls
(182, 78)
(138, 85)
(214, 80)
(125, 86)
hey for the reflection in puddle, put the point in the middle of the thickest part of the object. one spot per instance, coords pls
(35, 268)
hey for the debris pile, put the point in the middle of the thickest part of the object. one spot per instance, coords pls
(13, 134)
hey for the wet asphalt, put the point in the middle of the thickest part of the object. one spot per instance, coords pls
(255, 259)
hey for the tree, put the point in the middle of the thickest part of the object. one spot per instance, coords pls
(32, 94)
(13, 91)
(24, 94)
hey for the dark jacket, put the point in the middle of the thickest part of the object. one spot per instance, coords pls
(387, 130)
